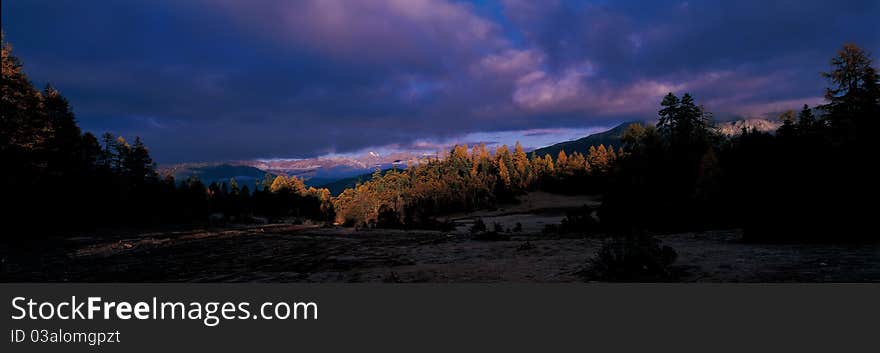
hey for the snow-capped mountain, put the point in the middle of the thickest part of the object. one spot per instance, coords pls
(315, 171)
(731, 128)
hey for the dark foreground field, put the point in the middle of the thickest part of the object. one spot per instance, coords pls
(303, 253)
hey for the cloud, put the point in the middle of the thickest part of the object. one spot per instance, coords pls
(429, 35)
(216, 80)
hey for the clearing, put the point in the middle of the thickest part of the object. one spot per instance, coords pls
(304, 253)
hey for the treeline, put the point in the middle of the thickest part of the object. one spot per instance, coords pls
(55, 177)
(468, 179)
(812, 180)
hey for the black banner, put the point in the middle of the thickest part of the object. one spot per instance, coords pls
(431, 317)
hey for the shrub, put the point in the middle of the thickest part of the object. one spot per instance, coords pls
(550, 229)
(635, 258)
(479, 226)
(575, 221)
(388, 219)
(578, 221)
(491, 236)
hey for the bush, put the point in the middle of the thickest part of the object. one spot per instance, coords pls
(579, 221)
(388, 219)
(491, 236)
(479, 226)
(576, 221)
(550, 229)
(445, 225)
(636, 258)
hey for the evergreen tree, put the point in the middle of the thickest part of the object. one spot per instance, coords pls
(503, 174)
(279, 183)
(682, 122)
(234, 190)
(788, 124)
(122, 154)
(138, 162)
(23, 126)
(64, 142)
(854, 98)
(668, 114)
(109, 156)
(521, 165)
(806, 119)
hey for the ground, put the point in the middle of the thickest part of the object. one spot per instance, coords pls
(308, 253)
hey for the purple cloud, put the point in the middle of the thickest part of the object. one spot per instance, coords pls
(217, 80)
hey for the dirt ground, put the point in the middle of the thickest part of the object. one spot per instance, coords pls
(304, 253)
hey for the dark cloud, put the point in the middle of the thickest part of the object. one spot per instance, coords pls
(219, 80)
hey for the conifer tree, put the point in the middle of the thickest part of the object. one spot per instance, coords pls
(23, 126)
(854, 98)
(806, 119)
(65, 138)
(503, 174)
(788, 123)
(521, 165)
(234, 190)
(138, 162)
(279, 183)
(109, 150)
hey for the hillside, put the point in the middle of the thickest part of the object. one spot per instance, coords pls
(582, 145)
(207, 173)
(338, 186)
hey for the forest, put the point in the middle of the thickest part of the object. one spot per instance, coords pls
(53, 170)
(807, 182)
(812, 180)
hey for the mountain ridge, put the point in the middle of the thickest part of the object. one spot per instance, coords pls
(582, 145)
(334, 172)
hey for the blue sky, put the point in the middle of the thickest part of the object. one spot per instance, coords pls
(223, 80)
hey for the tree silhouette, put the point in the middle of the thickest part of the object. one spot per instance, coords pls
(854, 97)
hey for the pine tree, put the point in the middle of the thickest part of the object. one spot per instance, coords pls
(855, 93)
(108, 151)
(234, 190)
(279, 183)
(549, 166)
(138, 162)
(66, 135)
(682, 122)
(90, 151)
(669, 114)
(561, 163)
(503, 174)
(268, 180)
(122, 153)
(23, 126)
(788, 124)
(521, 165)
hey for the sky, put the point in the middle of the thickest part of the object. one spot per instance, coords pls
(204, 80)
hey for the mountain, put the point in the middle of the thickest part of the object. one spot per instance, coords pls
(733, 128)
(338, 172)
(333, 167)
(582, 145)
(612, 137)
(338, 186)
(314, 171)
(208, 173)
